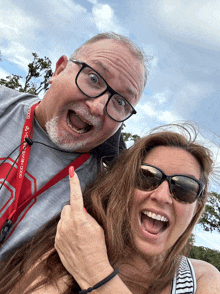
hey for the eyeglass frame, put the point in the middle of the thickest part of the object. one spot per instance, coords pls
(108, 89)
(169, 178)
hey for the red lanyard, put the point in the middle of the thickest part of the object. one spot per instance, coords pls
(23, 158)
(13, 213)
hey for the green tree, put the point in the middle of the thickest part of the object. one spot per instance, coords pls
(206, 254)
(129, 136)
(210, 219)
(37, 79)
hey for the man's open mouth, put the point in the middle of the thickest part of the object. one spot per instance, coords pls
(77, 124)
(153, 223)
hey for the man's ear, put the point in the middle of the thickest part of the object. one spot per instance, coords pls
(60, 66)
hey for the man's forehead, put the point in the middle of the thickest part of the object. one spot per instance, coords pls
(101, 66)
(113, 47)
(90, 54)
(105, 43)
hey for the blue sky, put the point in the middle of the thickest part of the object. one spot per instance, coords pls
(181, 37)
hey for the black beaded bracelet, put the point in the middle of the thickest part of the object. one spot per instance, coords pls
(99, 284)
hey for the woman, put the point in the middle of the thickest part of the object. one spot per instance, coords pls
(141, 214)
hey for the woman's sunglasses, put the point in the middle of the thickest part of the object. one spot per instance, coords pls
(184, 188)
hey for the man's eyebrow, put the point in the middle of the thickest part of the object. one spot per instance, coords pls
(128, 91)
(103, 67)
(131, 93)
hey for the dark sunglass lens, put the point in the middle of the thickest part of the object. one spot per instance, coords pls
(148, 178)
(184, 189)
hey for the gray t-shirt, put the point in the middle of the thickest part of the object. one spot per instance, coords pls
(43, 164)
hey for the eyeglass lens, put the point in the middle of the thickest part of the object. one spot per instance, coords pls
(93, 85)
(181, 187)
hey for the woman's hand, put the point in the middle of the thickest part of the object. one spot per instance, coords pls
(80, 241)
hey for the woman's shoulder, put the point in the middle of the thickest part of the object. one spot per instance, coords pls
(202, 267)
(207, 277)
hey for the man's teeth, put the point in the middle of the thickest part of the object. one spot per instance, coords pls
(76, 130)
(155, 216)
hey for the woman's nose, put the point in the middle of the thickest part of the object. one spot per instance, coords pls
(162, 193)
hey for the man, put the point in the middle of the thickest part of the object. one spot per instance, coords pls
(90, 96)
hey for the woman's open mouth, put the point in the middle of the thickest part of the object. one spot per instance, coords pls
(153, 223)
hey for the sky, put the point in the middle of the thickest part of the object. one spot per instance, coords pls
(180, 37)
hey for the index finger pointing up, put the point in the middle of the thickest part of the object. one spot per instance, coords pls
(76, 199)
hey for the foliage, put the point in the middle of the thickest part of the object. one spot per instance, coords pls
(37, 79)
(191, 242)
(210, 219)
(206, 254)
(129, 136)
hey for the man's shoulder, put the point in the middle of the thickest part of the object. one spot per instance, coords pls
(11, 93)
(10, 97)
(111, 148)
(8, 91)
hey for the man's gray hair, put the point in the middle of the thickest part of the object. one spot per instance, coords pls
(134, 49)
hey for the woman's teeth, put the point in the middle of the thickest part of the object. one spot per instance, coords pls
(153, 223)
(155, 216)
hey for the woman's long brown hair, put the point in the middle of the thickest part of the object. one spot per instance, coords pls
(109, 200)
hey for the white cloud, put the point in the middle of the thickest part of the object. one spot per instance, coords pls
(189, 98)
(18, 26)
(67, 10)
(159, 106)
(17, 54)
(211, 141)
(157, 109)
(148, 110)
(161, 97)
(3, 73)
(207, 239)
(103, 16)
(41, 26)
(105, 19)
(16, 32)
(198, 21)
(167, 117)
(152, 111)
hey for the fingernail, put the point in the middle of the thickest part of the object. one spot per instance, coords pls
(85, 209)
(71, 171)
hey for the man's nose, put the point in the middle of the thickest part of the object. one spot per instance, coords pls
(97, 105)
(162, 194)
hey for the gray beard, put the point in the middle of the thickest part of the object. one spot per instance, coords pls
(62, 139)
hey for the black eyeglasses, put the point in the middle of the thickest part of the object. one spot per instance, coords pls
(93, 85)
(184, 188)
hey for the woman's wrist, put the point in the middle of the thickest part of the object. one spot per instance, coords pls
(90, 278)
(101, 283)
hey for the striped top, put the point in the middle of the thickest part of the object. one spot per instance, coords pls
(185, 280)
